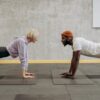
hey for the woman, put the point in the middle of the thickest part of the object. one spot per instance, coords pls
(18, 48)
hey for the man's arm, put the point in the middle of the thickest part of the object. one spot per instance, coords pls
(74, 62)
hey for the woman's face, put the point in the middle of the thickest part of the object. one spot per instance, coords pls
(32, 40)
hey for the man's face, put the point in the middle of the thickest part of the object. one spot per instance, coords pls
(66, 40)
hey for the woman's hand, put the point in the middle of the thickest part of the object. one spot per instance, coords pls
(26, 74)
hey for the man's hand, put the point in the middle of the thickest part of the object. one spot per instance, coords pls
(73, 67)
(68, 76)
(66, 73)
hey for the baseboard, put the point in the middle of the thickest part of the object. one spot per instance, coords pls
(47, 61)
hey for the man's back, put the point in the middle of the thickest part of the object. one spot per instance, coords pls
(86, 47)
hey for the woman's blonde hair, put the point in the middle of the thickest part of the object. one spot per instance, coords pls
(32, 34)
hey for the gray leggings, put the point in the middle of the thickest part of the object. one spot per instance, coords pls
(4, 52)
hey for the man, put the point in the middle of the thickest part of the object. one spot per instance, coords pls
(18, 48)
(80, 46)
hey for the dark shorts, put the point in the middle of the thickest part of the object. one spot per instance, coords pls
(4, 52)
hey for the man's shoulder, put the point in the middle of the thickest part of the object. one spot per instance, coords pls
(77, 43)
(79, 39)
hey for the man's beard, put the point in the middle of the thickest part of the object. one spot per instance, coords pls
(65, 42)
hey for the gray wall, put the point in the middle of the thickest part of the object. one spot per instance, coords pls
(50, 17)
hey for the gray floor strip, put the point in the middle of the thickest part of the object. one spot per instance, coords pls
(13, 77)
(41, 97)
(14, 80)
(80, 78)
